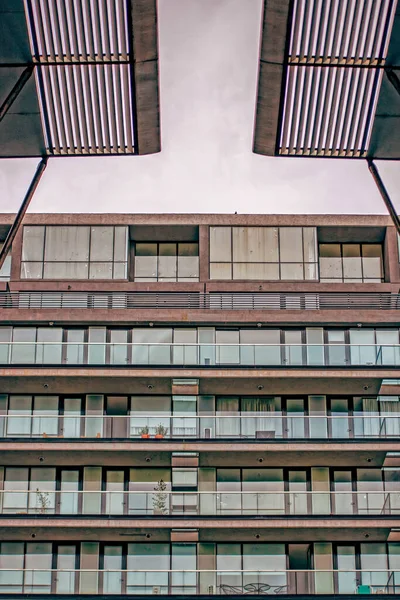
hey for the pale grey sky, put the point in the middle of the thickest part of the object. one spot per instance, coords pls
(208, 67)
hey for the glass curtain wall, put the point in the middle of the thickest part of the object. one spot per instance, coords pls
(313, 346)
(351, 263)
(263, 253)
(74, 252)
(166, 262)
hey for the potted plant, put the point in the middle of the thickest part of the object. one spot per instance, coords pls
(144, 432)
(43, 501)
(161, 431)
(160, 499)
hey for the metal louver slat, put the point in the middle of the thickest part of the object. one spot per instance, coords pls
(337, 49)
(82, 56)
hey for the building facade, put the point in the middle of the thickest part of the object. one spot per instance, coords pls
(200, 405)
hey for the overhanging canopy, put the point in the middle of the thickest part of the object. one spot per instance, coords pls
(323, 90)
(91, 70)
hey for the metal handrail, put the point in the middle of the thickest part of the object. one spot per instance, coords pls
(312, 571)
(248, 425)
(200, 581)
(200, 354)
(209, 301)
(206, 503)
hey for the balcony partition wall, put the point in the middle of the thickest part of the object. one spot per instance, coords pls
(198, 417)
(163, 568)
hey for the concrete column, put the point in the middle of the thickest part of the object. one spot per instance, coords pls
(391, 256)
(204, 253)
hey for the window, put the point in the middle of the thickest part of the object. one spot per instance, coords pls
(351, 263)
(166, 261)
(74, 252)
(263, 253)
(5, 270)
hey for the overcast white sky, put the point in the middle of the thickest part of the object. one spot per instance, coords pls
(208, 67)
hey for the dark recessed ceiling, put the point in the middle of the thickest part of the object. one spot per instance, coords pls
(94, 84)
(323, 90)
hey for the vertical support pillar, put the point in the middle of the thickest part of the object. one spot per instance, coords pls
(23, 208)
(383, 192)
(16, 90)
(204, 253)
(393, 78)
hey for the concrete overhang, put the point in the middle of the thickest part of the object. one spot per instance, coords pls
(323, 84)
(307, 529)
(112, 80)
(195, 317)
(212, 452)
(212, 380)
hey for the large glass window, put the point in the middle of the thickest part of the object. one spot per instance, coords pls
(5, 271)
(155, 558)
(166, 261)
(263, 253)
(351, 263)
(74, 252)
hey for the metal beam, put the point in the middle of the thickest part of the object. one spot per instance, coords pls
(393, 78)
(13, 95)
(23, 208)
(383, 192)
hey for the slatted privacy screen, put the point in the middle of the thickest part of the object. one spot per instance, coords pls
(81, 49)
(333, 77)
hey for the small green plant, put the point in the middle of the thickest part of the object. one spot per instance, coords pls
(43, 501)
(161, 430)
(160, 498)
(144, 430)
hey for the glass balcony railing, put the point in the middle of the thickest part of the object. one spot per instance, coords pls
(268, 425)
(204, 355)
(175, 503)
(192, 582)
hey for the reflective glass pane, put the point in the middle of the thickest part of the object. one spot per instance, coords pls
(69, 492)
(11, 559)
(145, 266)
(38, 568)
(112, 581)
(152, 557)
(69, 243)
(19, 421)
(119, 346)
(31, 270)
(220, 244)
(362, 349)
(66, 575)
(255, 244)
(221, 271)
(292, 271)
(257, 271)
(45, 415)
(96, 348)
(22, 350)
(121, 243)
(101, 243)
(33, 243)
(98, 270)
(15, 498)
(290, 244)
(310, 244)
(66, 270)
(48, 348)
(346, 564)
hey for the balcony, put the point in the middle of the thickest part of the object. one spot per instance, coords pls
(215, 503)
(200, 355)
(193, 301)
(247, 426)
(120, 581)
